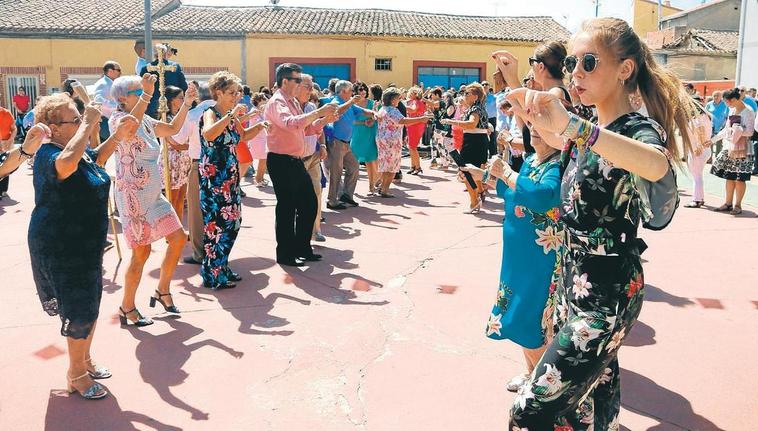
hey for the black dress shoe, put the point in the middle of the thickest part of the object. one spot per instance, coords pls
(191, 260)
(313, 257)
(220, 286)
(339, 206)
(348, 200)
(290, 262)
(233, 276)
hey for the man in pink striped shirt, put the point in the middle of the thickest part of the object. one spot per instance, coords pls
(296, 202)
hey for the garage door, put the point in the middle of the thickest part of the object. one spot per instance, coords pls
(447, 76)
(322, 73)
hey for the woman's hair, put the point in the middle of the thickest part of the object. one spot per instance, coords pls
(661, 90)
(246, 90)
(415, 90)
(376, 91)
(478, 90)
(122, 85)
(360, 85)
(258, 98)
(732, 94)
(388, 95)
(552, 54)
(314, 96)
(47, 109)
(67, 87)
(222, 80)
(172, 93)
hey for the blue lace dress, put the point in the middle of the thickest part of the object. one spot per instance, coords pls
(67, 235)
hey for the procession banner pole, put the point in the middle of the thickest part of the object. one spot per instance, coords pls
(161, 68)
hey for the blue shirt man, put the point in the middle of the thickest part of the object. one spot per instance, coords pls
(102, 92)
(719, 112)
(749, 101)
(502, 121)
(175, 78)
(343, 127)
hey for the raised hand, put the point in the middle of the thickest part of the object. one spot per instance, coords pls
(540, 108)
(190, 95)
(239, 110)
(34, 137)
(498, 167)
(126, 127)
(507, 64)
(148, 83)
(91, 114)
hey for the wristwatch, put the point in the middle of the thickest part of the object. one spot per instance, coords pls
(24, 153)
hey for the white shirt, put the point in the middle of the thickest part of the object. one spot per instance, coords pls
(103, 96)
(311, 141)
(190, 132)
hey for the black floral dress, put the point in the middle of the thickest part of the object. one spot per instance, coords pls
(576, 384)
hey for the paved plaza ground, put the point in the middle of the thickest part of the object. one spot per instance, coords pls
(387, 333)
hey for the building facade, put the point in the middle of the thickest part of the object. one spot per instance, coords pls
(645, 15)
(376, 46)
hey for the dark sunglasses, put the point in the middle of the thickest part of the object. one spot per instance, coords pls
(589, 62)
(297, 80)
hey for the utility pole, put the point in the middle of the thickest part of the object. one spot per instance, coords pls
(741, 43)
(148, 32)
(660, 12)
(597, 8)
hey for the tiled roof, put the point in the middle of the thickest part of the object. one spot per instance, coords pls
(125, 17)
(357, 22)
(705, 41)
(80, 17)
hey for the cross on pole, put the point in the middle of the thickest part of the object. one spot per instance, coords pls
(161, 68)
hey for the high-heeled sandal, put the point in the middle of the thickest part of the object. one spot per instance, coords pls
(139, 322)
(94, 392)
(170, 308)
(233, 276)
(99, 372)
(475, 209)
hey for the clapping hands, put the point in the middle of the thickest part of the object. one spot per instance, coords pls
(148, 83)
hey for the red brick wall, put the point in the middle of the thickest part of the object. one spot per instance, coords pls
(39, 71)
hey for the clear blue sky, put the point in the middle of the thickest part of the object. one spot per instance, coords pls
(567, 12)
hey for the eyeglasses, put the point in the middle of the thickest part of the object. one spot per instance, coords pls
(296, 79)
(589, 62)
(533, 60)
(76, 120)
(137, 92)
(233, 93)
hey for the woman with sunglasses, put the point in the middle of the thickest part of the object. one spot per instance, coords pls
(221, 131)
(69, 224)
(146, 215)
(616, 174)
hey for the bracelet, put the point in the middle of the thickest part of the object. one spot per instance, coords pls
(584, 133)
(572, 128)
(24, 153)
(486, 175)
(146, 100)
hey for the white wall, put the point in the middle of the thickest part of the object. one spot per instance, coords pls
(748, 70)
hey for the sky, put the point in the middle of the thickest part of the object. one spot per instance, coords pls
(569, 13)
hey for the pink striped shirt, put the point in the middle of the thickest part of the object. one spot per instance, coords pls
(288, 125)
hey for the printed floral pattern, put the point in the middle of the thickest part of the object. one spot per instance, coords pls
(389, 139)
(220, 201)
(600, 286)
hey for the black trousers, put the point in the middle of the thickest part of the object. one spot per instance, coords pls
(492, 146)
(296, 206)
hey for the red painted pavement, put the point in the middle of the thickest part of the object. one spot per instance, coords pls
(387, 333)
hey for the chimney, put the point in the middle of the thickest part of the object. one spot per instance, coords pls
(667, 3)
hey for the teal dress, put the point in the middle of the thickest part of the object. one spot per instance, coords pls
(363, 142)
(531, 237)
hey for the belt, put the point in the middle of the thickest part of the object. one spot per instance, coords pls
(287, 156)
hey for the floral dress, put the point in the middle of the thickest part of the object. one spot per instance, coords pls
(575, 386)
(532, 237)
(145, 214)
(220, 202)
(389, 139)
(179, 163)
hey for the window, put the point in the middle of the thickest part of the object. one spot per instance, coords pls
(382, 64)
(30, 84)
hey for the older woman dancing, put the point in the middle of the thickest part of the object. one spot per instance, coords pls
(146, 215)
(68, 227)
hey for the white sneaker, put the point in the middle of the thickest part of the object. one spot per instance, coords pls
(318, 237)
(517, 382)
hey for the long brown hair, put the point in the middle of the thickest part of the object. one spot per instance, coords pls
(661, 90)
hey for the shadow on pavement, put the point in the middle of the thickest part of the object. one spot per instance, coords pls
(72, 413)
(660, 404)
(641, 335)
(656, 294)
(162, 357)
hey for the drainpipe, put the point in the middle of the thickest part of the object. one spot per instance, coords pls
(148, 32)
(741, 43)
(243, 58)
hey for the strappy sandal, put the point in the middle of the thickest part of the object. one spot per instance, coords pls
(99, 372)
(94, 392)
(139, 322)
(736, 211)
(170, 308)
(724, 208)
(386, 195)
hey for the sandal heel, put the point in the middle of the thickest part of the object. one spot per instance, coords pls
(122, 319)
(152, 302)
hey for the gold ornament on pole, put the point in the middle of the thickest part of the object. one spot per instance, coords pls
(161, 68)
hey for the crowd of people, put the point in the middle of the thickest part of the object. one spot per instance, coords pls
(582, 150)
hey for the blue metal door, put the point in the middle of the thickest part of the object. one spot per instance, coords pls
(322, 73)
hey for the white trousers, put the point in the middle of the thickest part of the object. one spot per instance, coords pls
(696, 165)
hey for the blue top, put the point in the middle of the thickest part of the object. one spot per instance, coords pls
(490, 105)
(343, 127)
(531, 237)
(247, 101)
(719, 113)
(102, 94)
(503, 121)
(749, 101)
(141, 62)
(175, 78)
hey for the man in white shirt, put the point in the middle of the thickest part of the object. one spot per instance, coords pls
(111, 71)
(190, 135)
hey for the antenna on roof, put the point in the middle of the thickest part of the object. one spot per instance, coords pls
(273, 2)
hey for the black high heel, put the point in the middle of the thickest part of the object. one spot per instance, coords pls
(170, 308)
(141, 320)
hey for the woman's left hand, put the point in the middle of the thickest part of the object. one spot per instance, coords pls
(540, 108)
(190, 95)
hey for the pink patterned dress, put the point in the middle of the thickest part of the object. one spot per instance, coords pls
(389, 139)
(144, 212)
